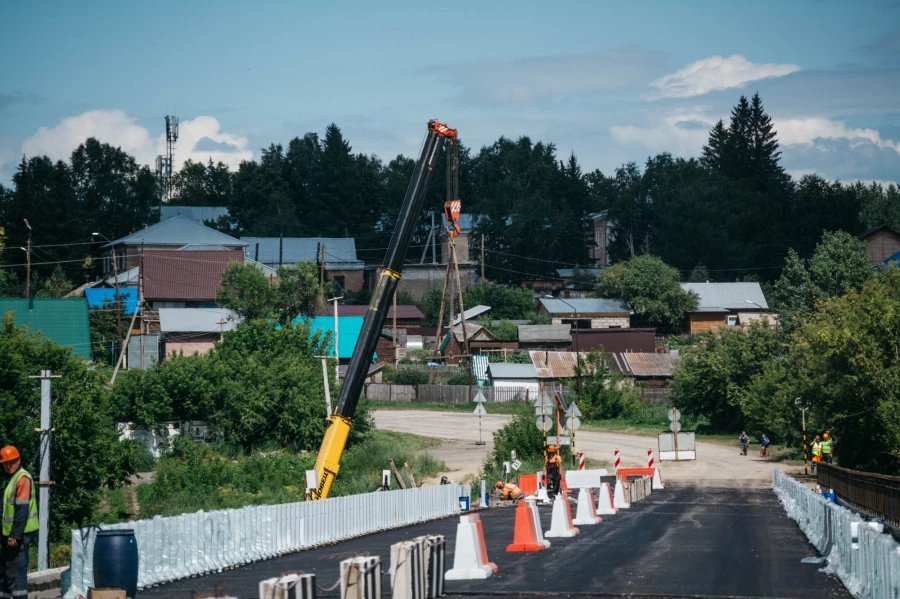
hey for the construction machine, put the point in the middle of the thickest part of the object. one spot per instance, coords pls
(338, 428)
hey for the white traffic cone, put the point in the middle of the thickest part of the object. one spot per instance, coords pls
(605, 504)
(470, 559)
(537, 522)
(585, 513)
(657, 481)
(561, 522)
(619, 501)
(541, 494)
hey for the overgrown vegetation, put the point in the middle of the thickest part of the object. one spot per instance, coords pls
(604, 394)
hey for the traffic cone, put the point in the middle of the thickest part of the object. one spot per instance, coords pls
(470, 560)
(619, 501)
(526, 537)
(605, 500)
(657, 481)
(561, 523)
(542, 488)
(586, 513)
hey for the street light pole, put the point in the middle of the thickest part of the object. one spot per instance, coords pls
(336, 354)
(803, 420)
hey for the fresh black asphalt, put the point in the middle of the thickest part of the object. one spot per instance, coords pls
(680, 542)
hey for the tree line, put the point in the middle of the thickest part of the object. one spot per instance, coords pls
(731, 214)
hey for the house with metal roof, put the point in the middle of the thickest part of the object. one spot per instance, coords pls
(587, 312)
(345, 270)
(517, 376)
(882, 243)
(101, 297)
(407, 316)
(170, 234)
(720, 304)
(63, 321)
(481, 341)
(193, 330)
(175, 279)
(471, 314)
(349, 328)
(545, 336)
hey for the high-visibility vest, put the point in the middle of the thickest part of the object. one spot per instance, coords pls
(826, 447)
(9, 504)
(511, 490)
(817, 448)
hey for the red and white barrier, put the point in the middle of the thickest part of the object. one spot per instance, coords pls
(617, 460)
(561, 522)
(605, 503)
(470, 560)
(649, 458)
(586, 513)
(581, 460)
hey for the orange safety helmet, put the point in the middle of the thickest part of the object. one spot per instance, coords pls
(826, 436)
(551, 448)
(8, 454)
(499, 485)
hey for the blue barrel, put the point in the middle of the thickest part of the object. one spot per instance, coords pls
(116, 561)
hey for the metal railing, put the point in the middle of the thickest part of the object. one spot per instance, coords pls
(203, 542)
(866, 561)
(877, 495)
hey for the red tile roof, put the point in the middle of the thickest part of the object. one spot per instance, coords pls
(186, 276)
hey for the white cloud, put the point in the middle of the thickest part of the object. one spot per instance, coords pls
(808, 131)
(117, 128)
(715, 73)
(680, 133)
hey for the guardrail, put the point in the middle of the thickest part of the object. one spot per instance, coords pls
(866, 561)
(876, 494)
(204, 542)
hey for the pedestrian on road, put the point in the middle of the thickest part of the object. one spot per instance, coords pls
(20, 521)
(816, 451)
(509, 491)
(552, 470)
(745, 441)
(827, 449)
(764, 449)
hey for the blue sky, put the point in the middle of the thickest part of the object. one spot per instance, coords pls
(610, 81)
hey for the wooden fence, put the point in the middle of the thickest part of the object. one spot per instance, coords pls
(661, 395)
(444, 393)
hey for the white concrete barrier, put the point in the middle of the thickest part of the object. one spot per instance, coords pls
(204, 542)
(579, 479)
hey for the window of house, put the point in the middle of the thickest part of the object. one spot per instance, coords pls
(732, 321)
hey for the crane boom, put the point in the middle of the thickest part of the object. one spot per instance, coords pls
(338, 428)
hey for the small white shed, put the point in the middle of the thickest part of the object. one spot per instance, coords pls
(520, 376)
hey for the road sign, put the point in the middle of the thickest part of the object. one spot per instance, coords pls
(561, 401)
(543, 422)
(543, 410)
(559, 440)
(574, 411)
(675, 426)
(573, 423)
(516, 464)
(479, 397)
(674, 414)
(479, 410)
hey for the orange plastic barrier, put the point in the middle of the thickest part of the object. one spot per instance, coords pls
(625, 472)
(525, 537)
(528, 483)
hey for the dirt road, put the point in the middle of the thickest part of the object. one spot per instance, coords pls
(715, 465)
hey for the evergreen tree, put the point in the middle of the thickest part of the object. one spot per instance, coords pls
(764, 154)
(713, 153)
(199, 185)
(736, 154)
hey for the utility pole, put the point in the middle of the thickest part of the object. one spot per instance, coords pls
(221, 330)
(116, 278)
(44, 482)
(325, 379)
(141, 300)
(28, 270)
(394, 334)
(322, 270)
(337, 356)
(482, 258)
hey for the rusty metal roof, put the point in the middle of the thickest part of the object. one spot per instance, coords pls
(651, 365)
(554, 364)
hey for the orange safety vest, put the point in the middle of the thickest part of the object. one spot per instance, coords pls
(511, 491)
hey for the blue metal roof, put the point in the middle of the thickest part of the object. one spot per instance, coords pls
(97, 296)
(340, 252)
(349, 328)
(894, 258)
(178, 231)
(585, 305)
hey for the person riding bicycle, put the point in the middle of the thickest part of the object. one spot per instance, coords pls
(764, 449)
(745, 441)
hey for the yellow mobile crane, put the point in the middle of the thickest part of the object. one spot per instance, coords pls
(338, 428)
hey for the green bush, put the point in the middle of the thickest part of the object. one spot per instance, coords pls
(461, 378)
(604, 394)
(410, 376)
(519, 434)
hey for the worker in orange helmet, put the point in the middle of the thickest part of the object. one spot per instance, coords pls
(20, 522)
(552, 470)
(509, 491)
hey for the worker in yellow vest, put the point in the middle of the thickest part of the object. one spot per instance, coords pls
(552, 471)
(827, 448)
(20, 521)
(816, 446)
(509, 491)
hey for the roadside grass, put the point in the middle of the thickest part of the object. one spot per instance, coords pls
(210, 477)
(491, 408)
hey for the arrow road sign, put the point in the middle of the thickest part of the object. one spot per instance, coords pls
(479, 410)
(543, 423)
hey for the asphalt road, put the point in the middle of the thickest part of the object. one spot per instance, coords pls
(716, 464)
(680, 542)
